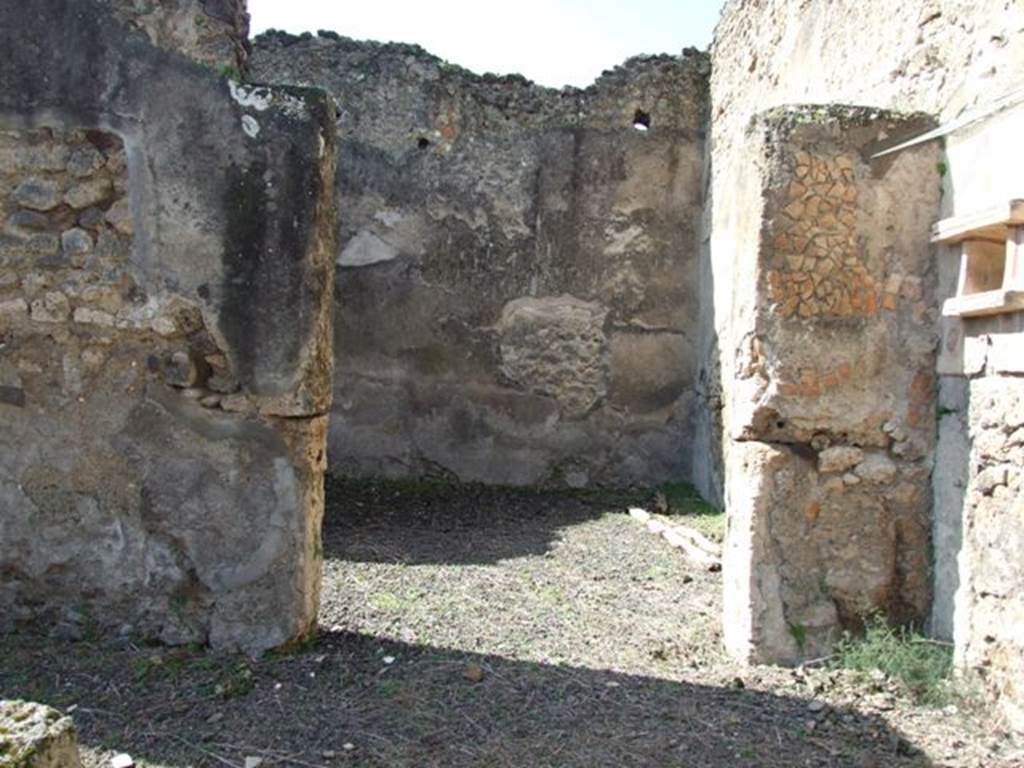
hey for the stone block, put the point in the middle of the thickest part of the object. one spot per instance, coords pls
(88, 193)
(876, 468)
(119, 216)
(839, 459)
(38, 194)
(36, 736)
(84, 161)
(556, 346)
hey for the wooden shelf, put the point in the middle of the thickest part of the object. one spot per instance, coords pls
(984, 303)
(991, 224)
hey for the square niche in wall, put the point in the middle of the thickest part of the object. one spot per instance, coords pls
(991, 260)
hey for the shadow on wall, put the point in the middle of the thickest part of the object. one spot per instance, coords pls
(419, 523)
(419, 710)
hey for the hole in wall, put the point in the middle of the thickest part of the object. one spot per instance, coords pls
(641, 120)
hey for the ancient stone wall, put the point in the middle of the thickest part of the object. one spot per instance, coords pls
(946, 58)
(830, 386)
(979, 503)
(516, 293)
(166, 262)
(935, 56)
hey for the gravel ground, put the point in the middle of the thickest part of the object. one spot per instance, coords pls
(487, 627)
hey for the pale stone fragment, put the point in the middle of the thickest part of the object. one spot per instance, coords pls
(51, 308)
(37, 194)
(839, 458)
(88, 193)
(17, 306)
(36, 736)
(90, 316)
(119, 216)
(876, 468)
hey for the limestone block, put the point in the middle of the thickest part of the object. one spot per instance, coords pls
(36, 736)
(119, 216)
(76, 245)
(88, 193)
(876, 468)
(20, 223)
(38, 194)
(556, 346)
(839, 459)
(85, 160)
(90, 316)
(51, 308)
(13, 307)
(44, 156)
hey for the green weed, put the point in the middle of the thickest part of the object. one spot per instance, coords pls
(923, 667)
(799, 633)
(683, 499)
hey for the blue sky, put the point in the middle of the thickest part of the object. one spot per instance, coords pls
(555, 43)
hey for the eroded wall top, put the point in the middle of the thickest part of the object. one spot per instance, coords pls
(211, 32)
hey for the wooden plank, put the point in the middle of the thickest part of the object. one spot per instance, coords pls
(985, 303)
(1013, 276)
(990, 224)
(985, 268)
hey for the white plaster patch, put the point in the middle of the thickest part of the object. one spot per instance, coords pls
(250, 126)
(388, 217)
(630, 240)
(259, 99)
(366, 248)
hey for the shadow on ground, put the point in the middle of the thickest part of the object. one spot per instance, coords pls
(349, 700)
(436, 523)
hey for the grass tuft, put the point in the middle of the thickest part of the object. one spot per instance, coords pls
(922, 666)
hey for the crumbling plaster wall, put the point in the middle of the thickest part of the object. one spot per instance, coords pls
(828, 479)
(517, 286)
(166, 263)
(941, 57)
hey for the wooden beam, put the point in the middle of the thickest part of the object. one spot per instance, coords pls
(990, 224)
(985, 303)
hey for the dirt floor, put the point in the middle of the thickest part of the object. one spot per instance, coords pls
(483, 627)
